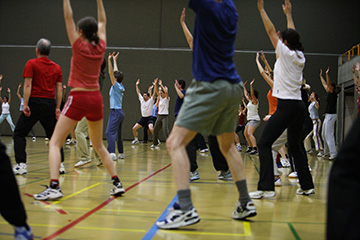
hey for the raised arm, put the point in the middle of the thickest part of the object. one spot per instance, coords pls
(101, 20)
(263, 73)
(137, 87)
(111, 70)
(178, 91)
(356, 78)
(269, 26)
(253, 98)
(328, 81)
(246, 92)
(8, 90)
(156, 89)
(18, 91)
(150, 89)
(245, 106)
(0, 95)
(267, 65)
(164, 88)
(69, 22)
(323, 82)
(115, 61)
(287, 11)
(187, 33)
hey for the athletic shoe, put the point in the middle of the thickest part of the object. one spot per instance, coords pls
(277, 182)
(225, 175)
(178, 218)
(135, 141)
(152, 146)
(82, 163)
(117, 190)
(121, 156)
(254, 152)
(332, 157)
(262, 194)
(241, 213)
(285, 162)
(20, 169)
(113, 156)
(299, 191)
(49, 194)
(248, 150)
(99, 163)
(319, 154)
(33, 139)
(90, 143)
(324, 155)
(238, 148)
(293, 175)
(46, 139)
(21, 233)
(194, 176)
(70, 142)
(62, 168)
(204, 150)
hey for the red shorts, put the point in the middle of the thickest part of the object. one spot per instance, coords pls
(81, 104)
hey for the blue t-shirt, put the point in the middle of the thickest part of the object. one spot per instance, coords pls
(116, 95)
(179, 101)
(213, 40)
(154, 111)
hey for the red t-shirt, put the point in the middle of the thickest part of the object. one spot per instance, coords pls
(241, 119)
(44, 74)
(86, 63)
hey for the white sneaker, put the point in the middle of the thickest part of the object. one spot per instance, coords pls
(285, 162)
(20, 169)
(117, 190)
(135, 141)
(194, 176)
(121, 156)
(178, 218)
(46, 139)
(49, 194)
(62, 168)
(113, 156)
(204, 150)
(277, 182)
(262, 194)
(319, 154)
(293, 175)
(244, 212)
(33, 139)
(299, 191)
(82, 163)
(332, 157)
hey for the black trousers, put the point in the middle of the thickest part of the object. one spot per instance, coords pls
(191, 152)
(290, 115)
(344, 189)
(43, 110)
(11, 206)
(219, 161)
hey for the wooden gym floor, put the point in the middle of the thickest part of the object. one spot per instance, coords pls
(87, 211)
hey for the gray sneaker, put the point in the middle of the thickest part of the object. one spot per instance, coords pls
(194, 176)
(241, 213)
(225, 175)
(49, 194)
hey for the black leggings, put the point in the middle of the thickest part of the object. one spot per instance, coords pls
(290, 114)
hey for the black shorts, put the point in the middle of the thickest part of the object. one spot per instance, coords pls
(152, 120)
(144, 121)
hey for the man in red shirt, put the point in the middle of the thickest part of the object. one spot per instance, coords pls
(41, 76)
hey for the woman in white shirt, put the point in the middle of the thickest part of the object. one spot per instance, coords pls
(252, 117)
(5, 114)
(291, 110)
(163, 114)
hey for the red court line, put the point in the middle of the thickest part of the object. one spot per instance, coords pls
(47, 203)
(88, 214)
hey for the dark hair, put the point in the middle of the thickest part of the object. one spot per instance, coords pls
(317, 97)
(182, 83)
(7, 98)
(336, 88)
(242, 105)
(293, 39)
(44, 46)
(256, 93)
(119, 76)
(147, 94)
(89, 27)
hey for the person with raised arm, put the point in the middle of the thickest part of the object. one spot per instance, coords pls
(5, 109)
(328, 129)
(291, 111)
(88, 42)
(116, 116)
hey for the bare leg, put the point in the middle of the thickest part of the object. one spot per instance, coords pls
(135, 128)
(250, 133)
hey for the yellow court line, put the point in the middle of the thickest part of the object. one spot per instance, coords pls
(247, 232)
(74, 194)
(111, 229)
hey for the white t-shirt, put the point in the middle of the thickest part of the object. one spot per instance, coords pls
(146, 107)
(252, 111)
(164, 106)
(288, 72)
(5, 108)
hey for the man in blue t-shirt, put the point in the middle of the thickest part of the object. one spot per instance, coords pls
(210, 107)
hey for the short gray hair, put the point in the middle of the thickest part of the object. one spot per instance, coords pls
(44, 46)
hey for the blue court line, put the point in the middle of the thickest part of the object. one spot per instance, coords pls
(152, 231)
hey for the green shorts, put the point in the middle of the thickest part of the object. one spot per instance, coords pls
(210, 108)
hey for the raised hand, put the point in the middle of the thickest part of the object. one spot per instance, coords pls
(328, 70)
(111, 55)
(155, 81)
(160, 82)
(287, 7)
(8, 90)
(138, 82)
(320, 72)
(182, 18)
(260, 5)
(19, 85)
(1, 77)
(252, 82)
(245, 83)
(116, 56)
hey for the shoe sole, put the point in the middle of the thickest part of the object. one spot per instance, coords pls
(191, 180)
(49, 199)
(252, 213)
(118, 194)
(181, 224)
(62, 172)
(20, 173)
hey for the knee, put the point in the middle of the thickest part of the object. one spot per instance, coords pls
(172, 144)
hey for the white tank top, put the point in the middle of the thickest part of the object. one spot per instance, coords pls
(252, 111)
(5, 108)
